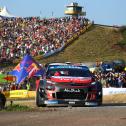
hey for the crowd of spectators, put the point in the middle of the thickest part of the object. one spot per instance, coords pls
(27, 84)
(112, 79)
(36, 36)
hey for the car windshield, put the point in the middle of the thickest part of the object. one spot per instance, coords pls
(68, 72)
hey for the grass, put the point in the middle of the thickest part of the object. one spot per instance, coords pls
(122, 43)
(17, 107)
(22, 106)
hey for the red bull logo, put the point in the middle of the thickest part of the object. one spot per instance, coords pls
(32, 67)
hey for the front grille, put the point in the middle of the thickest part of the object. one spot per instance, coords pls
(71, 95)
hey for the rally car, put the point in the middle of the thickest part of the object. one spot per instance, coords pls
(69, 84)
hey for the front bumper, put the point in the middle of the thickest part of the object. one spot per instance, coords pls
(71, 102)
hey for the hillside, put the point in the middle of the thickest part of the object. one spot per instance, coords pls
(99, 42)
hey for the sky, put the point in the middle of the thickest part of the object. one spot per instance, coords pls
(106, 12)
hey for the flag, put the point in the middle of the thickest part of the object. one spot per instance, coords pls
(28, 67)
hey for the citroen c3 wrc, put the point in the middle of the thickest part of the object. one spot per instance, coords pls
(70, 85)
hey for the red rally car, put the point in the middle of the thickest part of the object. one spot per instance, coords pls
(69, 84)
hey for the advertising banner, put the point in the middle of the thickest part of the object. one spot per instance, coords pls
(16, 94)
(111, 91)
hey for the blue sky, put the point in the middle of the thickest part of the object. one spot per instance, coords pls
(109, 12)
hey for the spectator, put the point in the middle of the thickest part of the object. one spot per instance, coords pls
(35, 36)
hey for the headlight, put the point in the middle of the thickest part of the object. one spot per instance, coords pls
(93, 83)
(93, 86)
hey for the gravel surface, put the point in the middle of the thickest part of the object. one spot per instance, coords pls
(111, 113)
(67, 116)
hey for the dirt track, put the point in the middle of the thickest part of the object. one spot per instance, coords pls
(66, 116)
(109, 114)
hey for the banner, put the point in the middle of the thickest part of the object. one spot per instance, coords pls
(111, 91)
(19, 94)
(16, 94)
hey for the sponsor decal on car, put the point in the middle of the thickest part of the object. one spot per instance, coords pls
(51, 102)
(68, 66)
(71, 79)
(91, 103)
(71, 90)
(71, 102)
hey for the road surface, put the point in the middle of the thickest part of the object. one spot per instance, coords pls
(106, 115)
